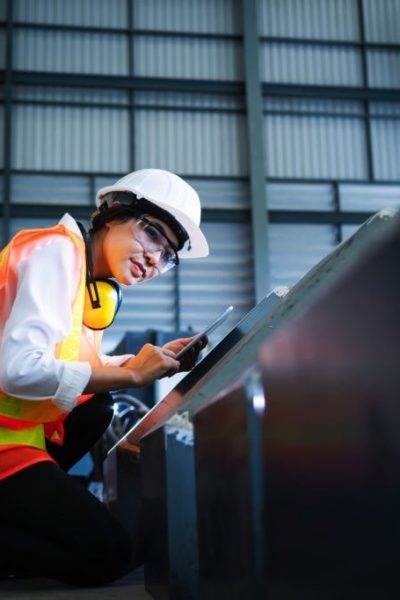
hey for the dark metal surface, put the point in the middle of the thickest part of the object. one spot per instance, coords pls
(331, 446)
(229, 553)
(330, 457)
(169, 514)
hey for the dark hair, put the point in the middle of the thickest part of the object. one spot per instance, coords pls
(114, 213)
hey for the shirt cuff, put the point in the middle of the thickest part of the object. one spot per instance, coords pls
(74, 378)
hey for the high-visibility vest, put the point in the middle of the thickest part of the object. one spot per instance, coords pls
(25, 421)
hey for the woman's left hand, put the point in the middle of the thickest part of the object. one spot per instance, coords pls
(189, 359)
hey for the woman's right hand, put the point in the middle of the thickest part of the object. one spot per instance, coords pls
(152, 362)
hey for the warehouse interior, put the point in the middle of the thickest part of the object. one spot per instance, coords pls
(284, 115)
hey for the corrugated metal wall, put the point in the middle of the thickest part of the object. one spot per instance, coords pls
(91, 13)
(198, 134)
(385, 132)
(296, 248)
(327, 139)
(71, 139)
(108, 54)
(195, 143)
(185, 133)
(384, 69)
(71, 52)
(201, 16)
(222, 194)
(383, 26)
(187, 58)
(382, 21)
(313, 19)
(300, 196)
(315, 139)
(370, 198)
(68, 141)
(48, 190)
(302, 64)
(152, 55)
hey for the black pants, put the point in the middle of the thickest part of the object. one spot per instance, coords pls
(50, 525)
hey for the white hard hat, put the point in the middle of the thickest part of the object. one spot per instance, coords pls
(170, 193)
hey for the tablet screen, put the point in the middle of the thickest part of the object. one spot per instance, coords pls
(210, 328)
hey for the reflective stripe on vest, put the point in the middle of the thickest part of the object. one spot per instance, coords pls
(30, 436)
(18, 416)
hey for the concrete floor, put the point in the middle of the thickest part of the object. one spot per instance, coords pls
(129, 588)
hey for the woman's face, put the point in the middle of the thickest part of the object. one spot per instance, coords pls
(118, 252)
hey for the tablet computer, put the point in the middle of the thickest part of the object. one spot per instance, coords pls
(209, 329)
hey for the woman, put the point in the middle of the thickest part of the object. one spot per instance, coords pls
(55, 298)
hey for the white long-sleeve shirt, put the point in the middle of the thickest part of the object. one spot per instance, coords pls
(36, 315)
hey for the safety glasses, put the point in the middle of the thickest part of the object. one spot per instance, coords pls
(154, 240)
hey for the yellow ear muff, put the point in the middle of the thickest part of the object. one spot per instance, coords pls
(109, 294)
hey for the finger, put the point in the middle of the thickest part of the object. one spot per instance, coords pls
(171, 360)
(168, 352)
(189, 360)
(204, 342)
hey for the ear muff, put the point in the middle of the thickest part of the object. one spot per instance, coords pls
(103, 297)
(103, 313)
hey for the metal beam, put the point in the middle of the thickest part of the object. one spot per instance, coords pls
(364, 69)
(199, 86)
(331, 92)
(131, 70)
(256, 148)
(125, 82)
(6, 225)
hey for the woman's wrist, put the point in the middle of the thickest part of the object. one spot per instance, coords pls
(108, 379)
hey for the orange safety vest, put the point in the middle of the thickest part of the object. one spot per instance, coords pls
(27, 422)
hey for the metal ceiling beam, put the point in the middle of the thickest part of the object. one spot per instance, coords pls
(256, 148)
